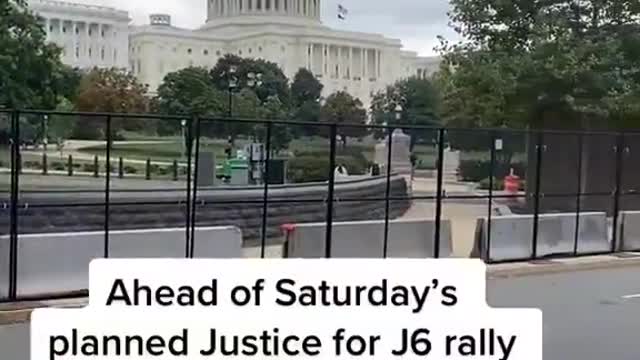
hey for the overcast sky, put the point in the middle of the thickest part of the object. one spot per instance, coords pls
(415, 22)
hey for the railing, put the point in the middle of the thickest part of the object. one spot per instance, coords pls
(573, 181)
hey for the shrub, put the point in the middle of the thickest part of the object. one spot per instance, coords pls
(32, 165)
(128, 169)
(58, 166)
(498, 184)
(303, 169)
(89, 168)
(478, 170)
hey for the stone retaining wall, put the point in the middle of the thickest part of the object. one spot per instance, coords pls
(51, 212)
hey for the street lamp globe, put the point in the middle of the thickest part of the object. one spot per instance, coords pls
(398, 111)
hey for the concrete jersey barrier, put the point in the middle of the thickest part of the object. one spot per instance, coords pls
(58, 263)
(629, 231)
(365, 239)
(512, 236)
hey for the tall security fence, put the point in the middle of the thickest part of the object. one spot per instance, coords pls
(78, 186)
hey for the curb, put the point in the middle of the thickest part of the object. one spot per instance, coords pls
(20, 312)
(17, 313)
(550, 267)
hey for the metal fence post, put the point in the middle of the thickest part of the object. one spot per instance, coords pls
(188, 204)
(620, 144)
(536, 199)
(265, 196)
(439, 190)
(332, 164)
(195, 189)
(107, 189)
(492, 170)
(387, 194)
(15, 189)
(578, 194)
(70, 165)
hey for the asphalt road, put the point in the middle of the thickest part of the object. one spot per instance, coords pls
(587, 315)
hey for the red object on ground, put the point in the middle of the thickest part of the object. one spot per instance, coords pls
(512, 183)
(287, 230)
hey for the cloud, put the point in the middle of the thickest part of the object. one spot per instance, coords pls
(416, 22)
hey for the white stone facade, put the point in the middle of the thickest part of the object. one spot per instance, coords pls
(90, 36)
(289, 33)
(286, 32)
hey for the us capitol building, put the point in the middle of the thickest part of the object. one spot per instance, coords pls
(289, 33)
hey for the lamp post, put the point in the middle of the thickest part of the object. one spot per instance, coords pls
(398, 111)
(183, 125)
(232, 81)
(45, 132)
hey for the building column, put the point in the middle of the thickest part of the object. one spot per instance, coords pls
(339, 63)
(310, 55)
(378, 63)
(350, 69)
(365, 68)
(326, 58)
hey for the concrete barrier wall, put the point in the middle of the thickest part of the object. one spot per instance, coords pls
(629, 231)
(54, 263)
(512, 236)
(365, 239)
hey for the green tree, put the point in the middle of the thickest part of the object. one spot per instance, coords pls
(27, 62)
(306, 93)
(343, 109)
(419, 102)
(114, 91)
(273, 81)
(557, 63)
(60, 127)
(67, 83)
(305, 88)
(281, 134)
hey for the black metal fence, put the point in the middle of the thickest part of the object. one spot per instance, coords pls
(557, 172)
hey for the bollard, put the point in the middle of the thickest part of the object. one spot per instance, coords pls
(70, 165)
(96, 167)
(120, 168)
(175, 170)
(148, 170)
(44, 164)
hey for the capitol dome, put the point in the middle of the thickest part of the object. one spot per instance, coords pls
(286, 11)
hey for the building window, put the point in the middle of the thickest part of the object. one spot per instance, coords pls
(89, 52)
(64, 29)
(50, 28)
(175, 49)
(259, 48)
(115, 55)
(218, 53)
(283, 48)
(102, 53)
(102, 33)
(206, 52)
(77, 52)
(250, 50)
(90, 32)
(77, 30)
(189, 51)
(240, 52)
